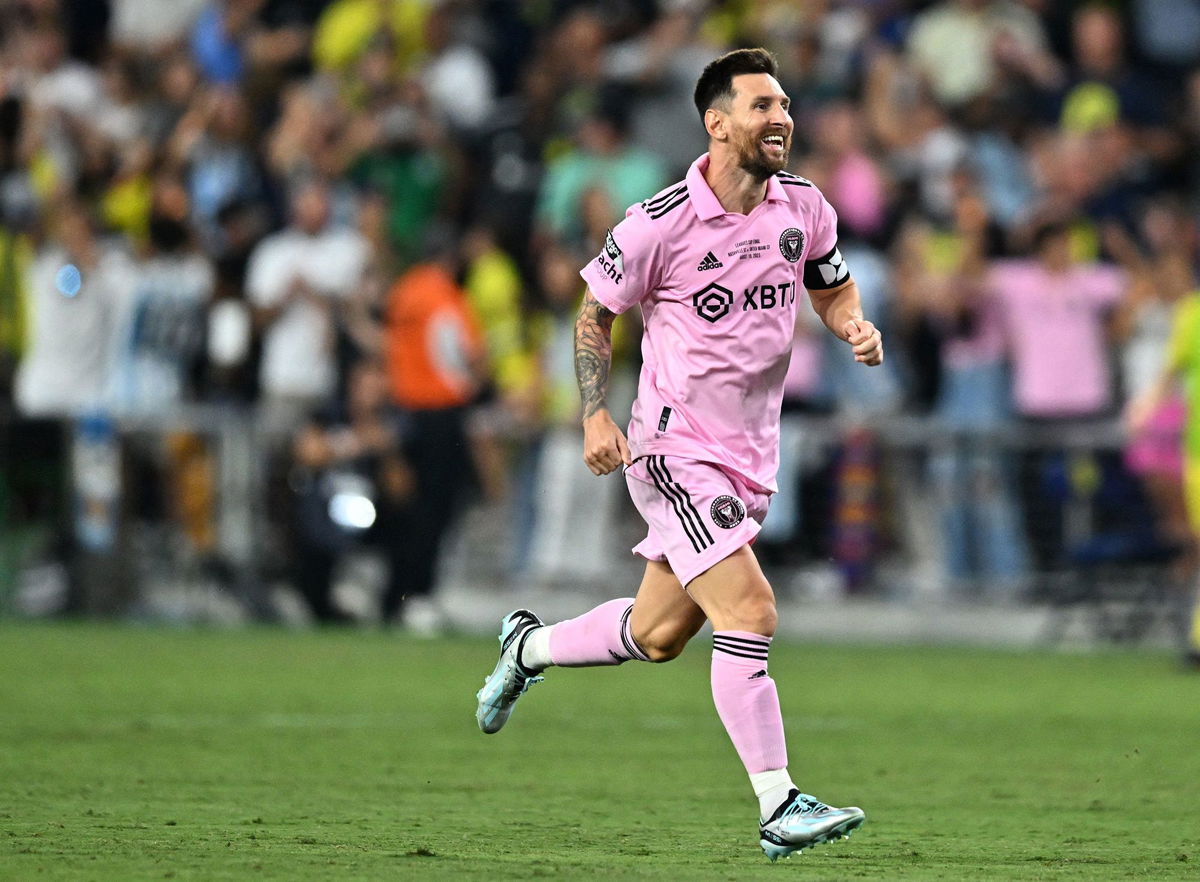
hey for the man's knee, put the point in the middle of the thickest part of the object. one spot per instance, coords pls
(749, 607)
(663, 642)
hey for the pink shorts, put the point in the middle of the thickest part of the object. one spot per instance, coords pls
(697, 512)
(1158, 449)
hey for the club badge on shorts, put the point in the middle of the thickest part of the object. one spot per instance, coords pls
(791, 244)
(727, 512)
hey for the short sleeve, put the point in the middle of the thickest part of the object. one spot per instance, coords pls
(825, 267)
(629, 266)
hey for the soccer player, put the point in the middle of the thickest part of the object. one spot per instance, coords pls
(1183, 363)
(716, 263)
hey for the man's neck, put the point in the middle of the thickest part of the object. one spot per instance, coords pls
(735, 188)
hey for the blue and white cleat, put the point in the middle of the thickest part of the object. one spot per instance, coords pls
(803, 821)
(509, 679)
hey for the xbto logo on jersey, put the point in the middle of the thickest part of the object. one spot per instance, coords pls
(727, 512)
(768, 296)
(791, 244)
(712, 302)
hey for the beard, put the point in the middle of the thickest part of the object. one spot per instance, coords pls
(756, 162)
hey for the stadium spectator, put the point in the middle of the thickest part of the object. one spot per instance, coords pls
(1055, 310)
(1183, 363)
(1142, 328)
(213, 144)
(604, 159)
(162, 319)
(959, 46)
(455, 74)
(77, 282)
(984, 551)
(436, 364)
(296, 281)
(660, 66)
(350, 483)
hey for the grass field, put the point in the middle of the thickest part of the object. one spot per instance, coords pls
(130, 753)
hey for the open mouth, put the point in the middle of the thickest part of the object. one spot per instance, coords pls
(774, 144)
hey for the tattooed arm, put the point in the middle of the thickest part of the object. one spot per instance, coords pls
(604, 445)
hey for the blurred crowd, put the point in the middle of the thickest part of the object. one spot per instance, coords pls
(365, 218)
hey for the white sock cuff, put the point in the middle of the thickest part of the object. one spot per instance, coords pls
(764, 782)
(535, 654)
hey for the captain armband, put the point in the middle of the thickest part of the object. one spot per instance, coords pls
(826, 272)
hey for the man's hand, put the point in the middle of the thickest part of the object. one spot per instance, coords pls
(866, 341)
(604, 446)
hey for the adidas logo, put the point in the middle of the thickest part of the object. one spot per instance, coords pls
(710, 262)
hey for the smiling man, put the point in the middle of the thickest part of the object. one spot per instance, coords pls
(715, 263)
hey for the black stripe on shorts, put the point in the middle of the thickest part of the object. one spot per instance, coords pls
(681, 501)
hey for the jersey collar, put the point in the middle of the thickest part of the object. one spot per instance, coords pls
(706, 203)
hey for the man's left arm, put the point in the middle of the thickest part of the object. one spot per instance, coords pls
(840, 309)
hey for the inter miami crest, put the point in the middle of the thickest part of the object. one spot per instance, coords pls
(727, 512)
(791, 244)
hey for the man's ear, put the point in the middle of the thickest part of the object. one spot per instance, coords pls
(714, 124)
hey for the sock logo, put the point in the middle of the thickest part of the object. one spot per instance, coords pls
(727, 512)
(756, 675)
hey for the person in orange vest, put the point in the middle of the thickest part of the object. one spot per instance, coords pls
(435, 356)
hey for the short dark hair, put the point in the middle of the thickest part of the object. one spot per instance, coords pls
(716, 83)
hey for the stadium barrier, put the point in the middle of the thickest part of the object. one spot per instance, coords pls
(121, 513)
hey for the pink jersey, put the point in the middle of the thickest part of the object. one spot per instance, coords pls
(1056, 334)
(719, 293)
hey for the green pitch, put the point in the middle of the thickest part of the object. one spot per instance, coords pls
(131, 753)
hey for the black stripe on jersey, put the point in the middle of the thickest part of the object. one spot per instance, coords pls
(689, 518)
(664, 196)
(656, 213)
(792, 180)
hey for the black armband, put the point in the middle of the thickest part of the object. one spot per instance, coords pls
(826, 272)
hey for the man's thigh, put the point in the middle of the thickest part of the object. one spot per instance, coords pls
(735, 595)
(663, 613)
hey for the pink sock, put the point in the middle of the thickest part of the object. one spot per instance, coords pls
(747, 701)
(600, 636)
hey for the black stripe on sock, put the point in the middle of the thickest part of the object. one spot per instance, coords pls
(687, 500)
(753, 655)
(631, 645)
(763, 643)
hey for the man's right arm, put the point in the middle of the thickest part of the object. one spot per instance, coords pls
(604, 446)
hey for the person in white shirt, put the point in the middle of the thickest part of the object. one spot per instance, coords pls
(295, 281)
